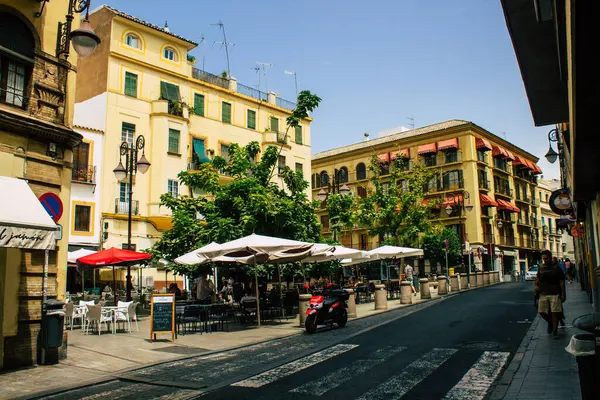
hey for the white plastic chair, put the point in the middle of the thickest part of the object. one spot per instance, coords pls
(95, 316)
(127, 316)
(72, 313)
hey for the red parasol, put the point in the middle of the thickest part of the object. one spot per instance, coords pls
(112, 257)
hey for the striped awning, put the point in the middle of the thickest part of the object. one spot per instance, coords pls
(509, 155)
(507, 206)
(536, 169)
(383, 157)
(482, 144)
(448, 144)
(519, 161)
(487, 201)
(402, 153)
(499, 152)
(453, 200)
(427, 148)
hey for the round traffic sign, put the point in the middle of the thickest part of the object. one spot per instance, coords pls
(53, 205)
(577, 230)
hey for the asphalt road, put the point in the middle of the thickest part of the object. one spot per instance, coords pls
(453, 348)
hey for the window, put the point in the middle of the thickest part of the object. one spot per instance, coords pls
(130, 84)
(452, 180)
(404, 185)
(274, 124)
(124, 192)
(324, 178)
(430, 159)
(199, 151)
(83, 218)
(299, 168)
(342, 175)
(433, 184)
(173, 187)
(170, 54)
(133, 40)
(482, 179)
(363, 242)
(16, 60)
(500, 163)
(81, 155)
(298, 135)
(251, 119)
(547, 197)
(127, 132)
(174, 141)
(451, 156)
(361, 192)
(481, 156)
(199, 104)
(325, 222)
(226, 112)
(169, 91)
(225, 152)
(280, 162)
(361, 171)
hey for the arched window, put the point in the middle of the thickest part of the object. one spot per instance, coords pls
(313, 181)
(133, 40)
(170, 54)
(17, 47)
(361, 171)
(343, 175)
(324, 178)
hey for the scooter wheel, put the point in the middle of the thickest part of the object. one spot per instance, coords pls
(343, 318)
(311, 324)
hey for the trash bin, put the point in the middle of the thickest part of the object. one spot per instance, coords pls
(587, 353)
(53, 322)
(450, 271)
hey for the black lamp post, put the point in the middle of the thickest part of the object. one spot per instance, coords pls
(84, 39)
(333, 188)
(132, 164)
(459, 199)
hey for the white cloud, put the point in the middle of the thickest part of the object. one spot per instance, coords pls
(391, 131)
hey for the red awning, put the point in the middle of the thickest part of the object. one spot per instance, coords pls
(452, 201)
(529, 164)
(112, 257)
(427, 201)
(427, 148)
(519, 161)
(507, 206)
(536, 169)
(487, 201)
(402, 153)
(383, 157)
(448, 144)
(482, 144)
(510, 155)
(498, 151)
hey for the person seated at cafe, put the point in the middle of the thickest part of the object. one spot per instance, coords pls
(224, 298)
(107, 289)
(204, 289)
(173, 288)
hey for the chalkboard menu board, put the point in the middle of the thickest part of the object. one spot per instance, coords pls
(162, 315)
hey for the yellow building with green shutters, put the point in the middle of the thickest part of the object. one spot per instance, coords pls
(140, 82)
(475, 168)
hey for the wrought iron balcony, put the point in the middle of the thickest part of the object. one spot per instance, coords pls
(122, 207)
(252, 92)
(210, 78)
(84, 173)
(288, 105)
(507, 240)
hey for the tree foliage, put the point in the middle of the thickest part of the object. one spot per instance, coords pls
(435, 249)
(251, 202)
(394, 207)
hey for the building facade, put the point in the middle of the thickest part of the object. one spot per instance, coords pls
(140, 81)
(552, 236)
(473, 165)
(37, 91)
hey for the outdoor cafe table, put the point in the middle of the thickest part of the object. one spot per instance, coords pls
(114, 310)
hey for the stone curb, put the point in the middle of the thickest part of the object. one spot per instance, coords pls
(122, 374)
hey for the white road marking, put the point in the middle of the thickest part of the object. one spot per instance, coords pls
(410, 376)
(344, 374)
(291, 368)
(476, 382)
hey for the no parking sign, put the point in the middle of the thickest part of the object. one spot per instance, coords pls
(53, 205)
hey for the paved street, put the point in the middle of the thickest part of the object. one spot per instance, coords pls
(432, 350)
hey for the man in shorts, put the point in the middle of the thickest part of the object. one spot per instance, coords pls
(550, 282)
(409, 272)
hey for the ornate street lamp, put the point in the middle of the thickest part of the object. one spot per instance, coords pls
(552, 155)
(84, 39)
(132, 164)
(459, 199)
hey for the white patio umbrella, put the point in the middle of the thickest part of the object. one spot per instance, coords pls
(254, 249)
(194, 257)
(386, 252)
(72, 257)
(337, 253)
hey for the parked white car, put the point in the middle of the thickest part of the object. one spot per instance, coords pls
(531, 273)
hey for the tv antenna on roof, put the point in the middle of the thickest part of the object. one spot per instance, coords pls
(225, 43)
(202, 40)
(412, 122)
(263, 66)
(257, 70)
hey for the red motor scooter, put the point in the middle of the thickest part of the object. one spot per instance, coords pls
(326, 308)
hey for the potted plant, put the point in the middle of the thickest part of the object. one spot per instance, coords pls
(194, 163)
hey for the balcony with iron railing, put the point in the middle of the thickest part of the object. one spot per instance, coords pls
(484, 184)
(524, 220)
(252, 92)
(503, 190)
(503, 166)
(506, 240)
(441, 158)
(487, 238)
(84, 174)
(482, 157)
(210, 78)
(122, 207)
(444, 186)
(288, 105)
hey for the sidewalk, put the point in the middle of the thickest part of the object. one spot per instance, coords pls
(93, 358)
(541, 368)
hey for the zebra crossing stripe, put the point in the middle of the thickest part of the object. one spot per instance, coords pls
(476, 382)
(343, 375)
(410, 376)
(291, 368)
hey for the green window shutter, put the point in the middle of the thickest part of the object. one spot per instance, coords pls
(130, 84)
(173, 141)
(274, 124)
(226, 112)
(298, 138)
(168, 91)
(199, 104)
(251, 119)
(200, 150)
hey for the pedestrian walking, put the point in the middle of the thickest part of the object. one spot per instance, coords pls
(409, 272)
(550, 283)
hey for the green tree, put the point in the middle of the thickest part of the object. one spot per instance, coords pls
(394, 208)
(434, 247)
(341, 211)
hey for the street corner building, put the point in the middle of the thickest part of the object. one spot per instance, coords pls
(142, 85)
(37, 92)
(476, 167)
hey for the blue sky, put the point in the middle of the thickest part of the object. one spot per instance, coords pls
(374, 63)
